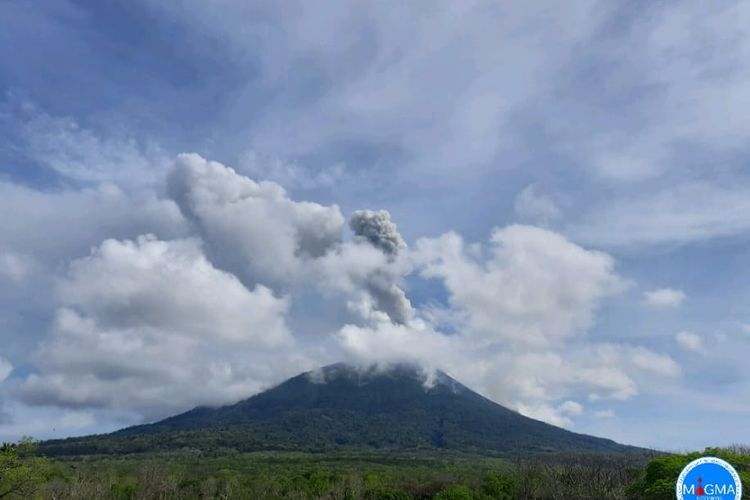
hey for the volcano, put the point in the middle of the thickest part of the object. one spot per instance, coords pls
(342, 407)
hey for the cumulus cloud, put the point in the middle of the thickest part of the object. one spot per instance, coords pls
(252, 229)
(128, 313)
(403, 113)
(539, 383)
(530, 285)
(660, 364)
(72, 221)
(152, 282)
(44, 229)
(387, 342)
(664, 298)
(518, 311)
(544, 376)
(257, 232)
(689, 341)
(151, 325)
(560, 415)
(241, 262)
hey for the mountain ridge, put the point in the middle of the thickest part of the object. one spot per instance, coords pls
(340, 406)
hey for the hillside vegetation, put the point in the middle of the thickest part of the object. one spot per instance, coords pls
(351, 476)
(342, 408)
(343, 433)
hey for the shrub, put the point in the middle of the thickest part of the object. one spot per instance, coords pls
(126, 490)
(456, 492)
(500, 487)
(658, 481)
(22, 473)
(384, 493)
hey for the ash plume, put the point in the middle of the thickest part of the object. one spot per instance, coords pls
(376, 227)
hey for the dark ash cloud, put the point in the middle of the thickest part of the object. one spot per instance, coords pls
(377, 228)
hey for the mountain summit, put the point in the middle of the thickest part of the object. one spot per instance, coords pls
(344, 407)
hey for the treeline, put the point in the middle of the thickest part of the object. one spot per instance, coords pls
(226, 475)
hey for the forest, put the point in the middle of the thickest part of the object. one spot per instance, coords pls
(372, 475)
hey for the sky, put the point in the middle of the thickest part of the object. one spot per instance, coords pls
(548, 200)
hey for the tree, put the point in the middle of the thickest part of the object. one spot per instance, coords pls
(456, 492)
(21, 473)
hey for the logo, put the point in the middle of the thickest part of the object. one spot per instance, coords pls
(709, 478)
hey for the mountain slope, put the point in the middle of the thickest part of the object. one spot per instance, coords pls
(341, 407)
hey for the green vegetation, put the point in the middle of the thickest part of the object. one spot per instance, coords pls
(342, 475)
(351, 411)
(22, 474)
(369, 437)
(347, 476)
(657, 482)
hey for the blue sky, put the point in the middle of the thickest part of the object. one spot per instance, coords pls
(569, 181)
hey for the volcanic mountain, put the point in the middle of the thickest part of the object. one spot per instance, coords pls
(341, 407)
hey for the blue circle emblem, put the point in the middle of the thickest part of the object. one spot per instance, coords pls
(709, 478)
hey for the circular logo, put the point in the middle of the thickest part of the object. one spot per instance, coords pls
(709, 478)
